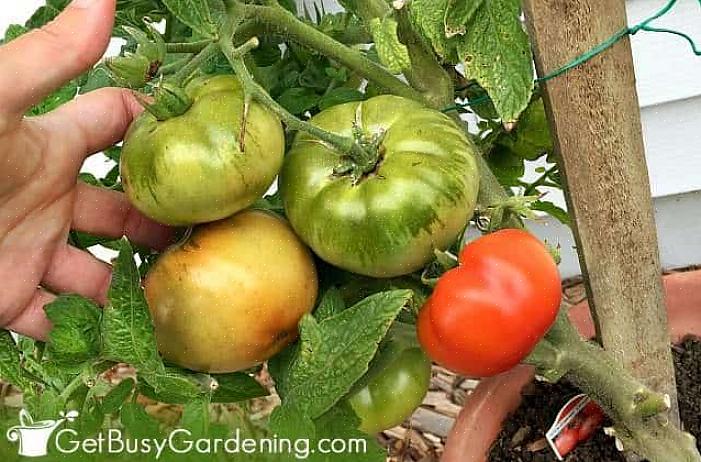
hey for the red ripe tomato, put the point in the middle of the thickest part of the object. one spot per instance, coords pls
(485, 316)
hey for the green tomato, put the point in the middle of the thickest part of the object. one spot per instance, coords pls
(192, 168)
(393, 391)
(388, 222)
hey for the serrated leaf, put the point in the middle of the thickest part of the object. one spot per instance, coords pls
(336, 352)
(113, 401)
(298, 100)
(174, 385)
(506, 166)
(44, 405)
(10, 366)
(341, 422)
(400, 338)
(196, 418)
(95, 78)
(92, 418)
(340, 95)
(127, 329)
(289, 422)
(236, 387)
(497, 54)
(393, 54)
(553, 210)
(75, 336)
(458, 15)
(429, 17)
(46, 13)
(56, 99)
(331, 304)
(13, 31)
(194, 13)
(531, 138)
(137, 422)
(279, 367)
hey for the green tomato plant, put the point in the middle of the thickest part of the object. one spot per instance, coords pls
(381, 178)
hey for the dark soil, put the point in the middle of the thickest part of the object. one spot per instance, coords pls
(523, 436)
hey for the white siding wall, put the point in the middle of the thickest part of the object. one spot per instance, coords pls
(669, 86)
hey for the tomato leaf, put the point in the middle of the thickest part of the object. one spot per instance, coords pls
(195, 13)
(137, 422)
(506, 166)
(92, 417)
(47, 13)
(458, 14)
(75, 337)
(393, 53)
(348, 341)
(496, 53)
(429, 18)
(97, 77)
(339, 96)
(44, 405)
(553, 210)
(298, 100)
(196, 418)
(113, 401)
(279, 367)
(13, 31)
(236, 387)
(341, 422)
(531, 138)
(10, 366)
(56, 99)
(174, 385)
(290, 422)
(331, 304)
(127, 329)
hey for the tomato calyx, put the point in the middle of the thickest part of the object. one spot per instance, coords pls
(169, 101)
(135, 70)
(365, 156)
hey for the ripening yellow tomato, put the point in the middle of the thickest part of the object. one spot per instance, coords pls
(232, 295)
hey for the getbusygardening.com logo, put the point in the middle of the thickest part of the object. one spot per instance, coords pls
(33, 437)
(34, 440)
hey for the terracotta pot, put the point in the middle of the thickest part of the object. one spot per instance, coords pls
(485, 410)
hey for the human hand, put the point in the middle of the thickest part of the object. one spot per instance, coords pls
(40, 158)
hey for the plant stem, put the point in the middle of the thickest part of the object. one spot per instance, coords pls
(639, 413)
(175, 66)
(541, 181)
(188, 69)
(290, 26)
(77, 382)
(194, 47)
(491, 193)
(252, 88)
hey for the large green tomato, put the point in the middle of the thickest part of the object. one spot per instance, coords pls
(396, 385)
(387, 223)
(191, 169)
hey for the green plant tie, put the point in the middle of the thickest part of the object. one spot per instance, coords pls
(603, 46)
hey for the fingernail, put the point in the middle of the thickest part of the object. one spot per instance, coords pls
(83, 3)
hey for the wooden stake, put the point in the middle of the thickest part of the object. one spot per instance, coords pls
(595, 119)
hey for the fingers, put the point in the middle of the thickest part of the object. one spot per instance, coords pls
(92, 122)
(32, 321)
(41, 61)
(74, 271)
(107, 213)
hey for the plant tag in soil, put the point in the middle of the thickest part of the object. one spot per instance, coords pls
(576, 422)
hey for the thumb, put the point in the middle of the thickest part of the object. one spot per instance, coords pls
(43, 60)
